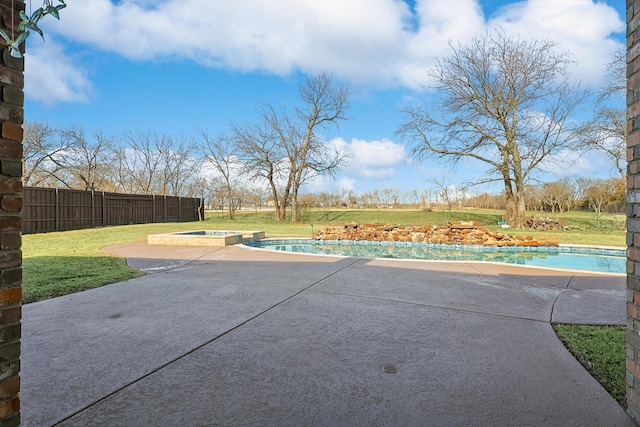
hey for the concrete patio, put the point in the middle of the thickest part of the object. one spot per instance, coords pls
(236, 336)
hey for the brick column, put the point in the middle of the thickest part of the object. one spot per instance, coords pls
(633, 208)
(11, 118)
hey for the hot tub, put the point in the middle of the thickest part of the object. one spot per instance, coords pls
(204, 238)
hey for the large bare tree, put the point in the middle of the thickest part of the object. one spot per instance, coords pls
(287, 149)
(506, 102)
(263, 160)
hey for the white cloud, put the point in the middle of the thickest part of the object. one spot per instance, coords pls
(568, 163)
(382, 42)
(51, 76)
(326, 184)
(347, 184)
(373, 159)
(581, 27)
(318, 184)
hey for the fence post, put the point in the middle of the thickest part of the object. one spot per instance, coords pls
(153, 208)
(57, 210)
(93, 210)
(104, 209)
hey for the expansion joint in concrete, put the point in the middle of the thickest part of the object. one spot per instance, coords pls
(553, 306)
(174, 360)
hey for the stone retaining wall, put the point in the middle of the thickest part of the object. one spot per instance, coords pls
(453, 233)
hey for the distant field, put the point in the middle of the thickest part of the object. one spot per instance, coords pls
(609, 231)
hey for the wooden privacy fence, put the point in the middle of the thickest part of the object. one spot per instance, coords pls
(53, 209)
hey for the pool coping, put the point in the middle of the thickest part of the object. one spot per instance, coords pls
(587, 249)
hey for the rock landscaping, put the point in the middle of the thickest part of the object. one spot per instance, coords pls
(453, 233)
(546, 224)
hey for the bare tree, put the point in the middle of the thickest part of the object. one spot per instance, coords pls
(220, 152)
(618, 199)
(176, 164)
(301, 153)
(123, 180)
(387, 196)
(426, 198)
(262, 159)
(349, 197)
(607, 131)
(257, 197)
(41, 145)
(445, 193)
(488, 200)
(198, 186)
(557, 195)
(87, 159)
(309, 200)
(141, 161)
(598, 193)
(413, 197)
(502, 101)
(323, 103)
(534, 198)
(366, 200)
(376, 198)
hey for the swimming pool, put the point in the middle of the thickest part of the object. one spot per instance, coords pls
(573, 258)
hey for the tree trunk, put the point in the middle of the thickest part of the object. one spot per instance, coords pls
(230, 203)
(282, 208)
(286, 197)
(294, 206)
(521, 206)
(521, 210)
(510, 209)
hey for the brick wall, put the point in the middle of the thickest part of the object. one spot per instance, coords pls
(633, 208)
(11, 117)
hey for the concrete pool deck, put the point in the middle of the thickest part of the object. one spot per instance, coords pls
(241, 336)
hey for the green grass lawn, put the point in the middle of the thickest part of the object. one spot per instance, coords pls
(61, 263)
(600, 349)
(56, 264)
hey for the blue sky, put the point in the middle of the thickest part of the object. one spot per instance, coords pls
(179, 66)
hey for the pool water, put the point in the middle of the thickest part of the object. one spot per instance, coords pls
(573, 258)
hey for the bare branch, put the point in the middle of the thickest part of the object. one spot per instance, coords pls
(503, 101)
(288, 150)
